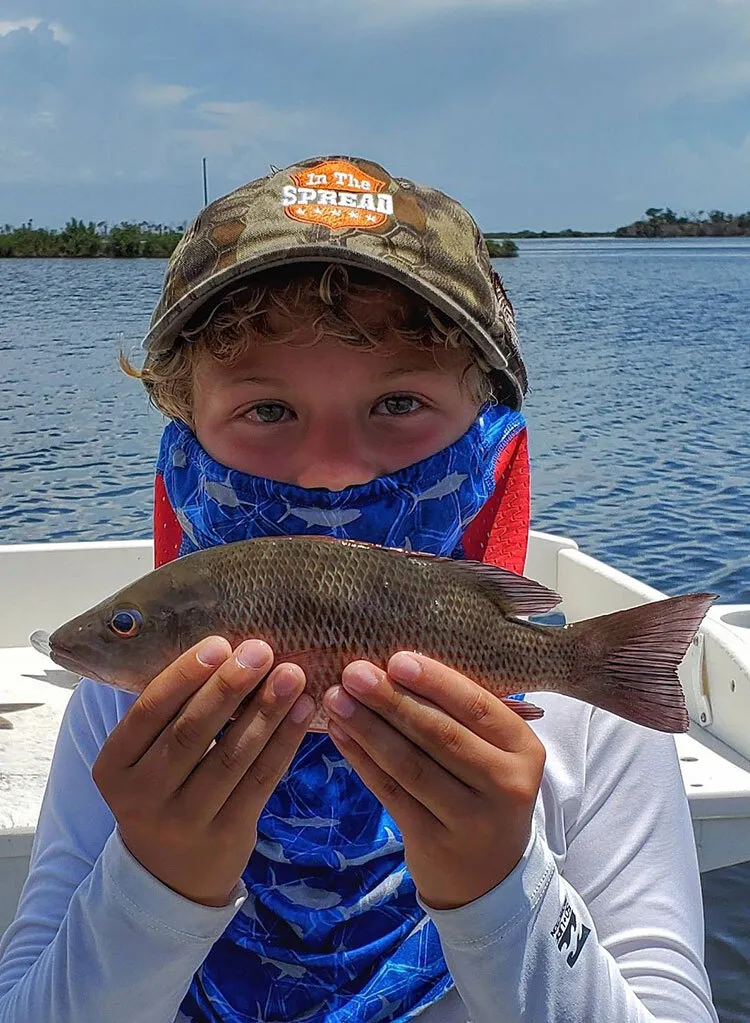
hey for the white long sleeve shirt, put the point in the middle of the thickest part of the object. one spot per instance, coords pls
(601, 920)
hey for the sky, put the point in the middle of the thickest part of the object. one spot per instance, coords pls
(539, 114)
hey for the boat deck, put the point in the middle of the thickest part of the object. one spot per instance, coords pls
(27, 736)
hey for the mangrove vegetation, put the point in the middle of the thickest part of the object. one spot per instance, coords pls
(80, 239)
(89, 240)
(664, 223)
(504, 249)
(656, 223)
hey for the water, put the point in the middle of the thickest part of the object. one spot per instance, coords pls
(639, 357)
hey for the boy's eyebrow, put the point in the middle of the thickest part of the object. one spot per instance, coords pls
(404, 370)
(389, 374)
(274, 381)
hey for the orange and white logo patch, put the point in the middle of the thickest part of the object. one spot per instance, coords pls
(337, 195)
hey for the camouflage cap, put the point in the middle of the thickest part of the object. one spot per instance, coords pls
(346, 210)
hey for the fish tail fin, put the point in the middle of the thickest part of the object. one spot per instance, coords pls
(627, 661)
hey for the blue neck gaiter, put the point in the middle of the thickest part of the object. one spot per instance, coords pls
(331, 929)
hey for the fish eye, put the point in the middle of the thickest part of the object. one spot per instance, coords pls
(126, 623)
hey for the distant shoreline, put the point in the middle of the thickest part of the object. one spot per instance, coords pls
(618, 234)
(80, 240)
(657, 222)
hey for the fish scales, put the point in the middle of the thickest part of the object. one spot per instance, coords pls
(335, 602)
(322, 603)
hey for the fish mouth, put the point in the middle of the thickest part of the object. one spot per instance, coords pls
(65, 657)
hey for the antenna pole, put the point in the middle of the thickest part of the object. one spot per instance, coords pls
(205, 184)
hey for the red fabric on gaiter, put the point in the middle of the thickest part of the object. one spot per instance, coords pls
(167, 530)
(499, 535)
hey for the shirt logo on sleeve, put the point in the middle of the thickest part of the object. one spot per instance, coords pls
(569, 934)
(337, 194)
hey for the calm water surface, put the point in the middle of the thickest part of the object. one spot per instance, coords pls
(639, 416)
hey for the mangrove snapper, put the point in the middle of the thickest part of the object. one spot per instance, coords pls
(322, 603)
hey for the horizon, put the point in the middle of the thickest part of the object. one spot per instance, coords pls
(535, 114)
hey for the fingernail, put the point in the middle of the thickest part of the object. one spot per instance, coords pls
(302, 709)
(253, 654)
(361, 677)
(404, 668)
(341, 703)
(285, 684)
(213, 652)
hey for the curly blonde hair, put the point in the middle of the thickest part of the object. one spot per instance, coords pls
(355, 306)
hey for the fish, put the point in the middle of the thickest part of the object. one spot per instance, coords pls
(391, 845)
(311, 822)
(321, 603)
(448, 485)
(285, 969)
(332, 764)
(222, 493)
(375, 896)
(186, 526)
(330, 518)
(299, 893)
(271, 850)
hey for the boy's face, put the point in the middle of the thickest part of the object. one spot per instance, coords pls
(328, 414)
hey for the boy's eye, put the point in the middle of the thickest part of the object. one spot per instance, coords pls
(267, 412)
(398, 405)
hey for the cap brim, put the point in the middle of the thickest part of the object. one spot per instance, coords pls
(162, 334)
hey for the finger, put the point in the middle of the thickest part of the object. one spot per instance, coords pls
(251, 793)
(460, 751)
(405, 762)
(463, 699)
(161, 700)
(187, 737)
(215, 778)
(408, 812)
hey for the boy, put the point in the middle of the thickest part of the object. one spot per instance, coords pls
(362, 381)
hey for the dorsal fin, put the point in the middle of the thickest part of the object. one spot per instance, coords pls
(514, 594)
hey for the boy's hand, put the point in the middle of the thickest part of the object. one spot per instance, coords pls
(188, 812)
(457, 770)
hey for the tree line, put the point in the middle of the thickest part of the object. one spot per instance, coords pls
(664, 223)
(129, 240)
(657, 222)
(88, 240)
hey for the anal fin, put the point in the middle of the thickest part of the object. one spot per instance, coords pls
(527, 711)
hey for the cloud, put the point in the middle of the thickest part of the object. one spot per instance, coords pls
(6, 27)
(58, 32)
